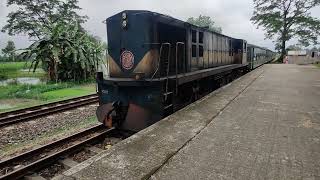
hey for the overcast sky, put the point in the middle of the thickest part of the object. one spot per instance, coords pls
(232, 15)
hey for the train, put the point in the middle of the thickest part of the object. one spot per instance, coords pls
(258, 56)
(157, 64)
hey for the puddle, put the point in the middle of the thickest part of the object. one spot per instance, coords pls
(21, 80)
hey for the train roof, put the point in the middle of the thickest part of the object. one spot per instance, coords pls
(171, 20)
(252, 45)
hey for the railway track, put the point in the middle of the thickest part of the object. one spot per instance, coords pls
(45, 109)
(34, 160)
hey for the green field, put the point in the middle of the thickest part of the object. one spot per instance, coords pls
(18, 69)
(15, 96)
(318, 65)
(46, 92)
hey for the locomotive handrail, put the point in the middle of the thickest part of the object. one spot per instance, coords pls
(168, 66)
(177, 46)
(159, 59)
(155, 72)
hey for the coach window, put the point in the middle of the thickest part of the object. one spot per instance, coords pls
(194, 36)
(194, 51)
(201, 37)
(200, 51)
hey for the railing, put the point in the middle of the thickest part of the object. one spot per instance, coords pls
(159, 59)
(183, 62)
(166, 63)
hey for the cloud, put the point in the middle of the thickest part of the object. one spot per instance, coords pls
(232, 16)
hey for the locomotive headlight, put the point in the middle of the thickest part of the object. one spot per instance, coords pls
(124, 16)
(124, 24)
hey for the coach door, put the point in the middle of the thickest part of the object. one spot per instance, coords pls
(244, 54)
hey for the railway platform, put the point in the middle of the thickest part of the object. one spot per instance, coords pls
(265, 125)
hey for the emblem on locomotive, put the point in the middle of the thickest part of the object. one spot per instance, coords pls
(127, 60)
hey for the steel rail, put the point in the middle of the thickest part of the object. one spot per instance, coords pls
(46, 109)
(99, 132)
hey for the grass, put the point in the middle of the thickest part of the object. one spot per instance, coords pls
(317, 65)
(69, 92)
(13, 104)
(18, 69)
(18, 96)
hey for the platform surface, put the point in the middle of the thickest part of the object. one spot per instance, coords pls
(265, 125)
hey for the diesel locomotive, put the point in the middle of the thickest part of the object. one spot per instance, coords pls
(157, 64)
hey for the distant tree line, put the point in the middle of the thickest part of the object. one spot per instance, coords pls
(298, 47)
(206, 22)
(8, 52)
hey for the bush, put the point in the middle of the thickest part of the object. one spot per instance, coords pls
(39, 91)
(29, 91)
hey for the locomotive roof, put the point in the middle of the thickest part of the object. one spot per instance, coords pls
(170, 20)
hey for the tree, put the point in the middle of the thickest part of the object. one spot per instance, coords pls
(294, 47)
(9, 50)
(204, 21)
(34, 17)
(68, 52)
(285, 19)
(314, 49)
(63, 47)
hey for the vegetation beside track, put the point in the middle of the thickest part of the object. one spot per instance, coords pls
(18, 69)
(47, 92)
(16, 96)
(19, 96)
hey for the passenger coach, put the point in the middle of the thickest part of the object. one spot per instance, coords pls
(258, 56)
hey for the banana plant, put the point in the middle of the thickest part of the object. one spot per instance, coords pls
(67, 52)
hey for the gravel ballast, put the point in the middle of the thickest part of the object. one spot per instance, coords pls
(24, 136)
